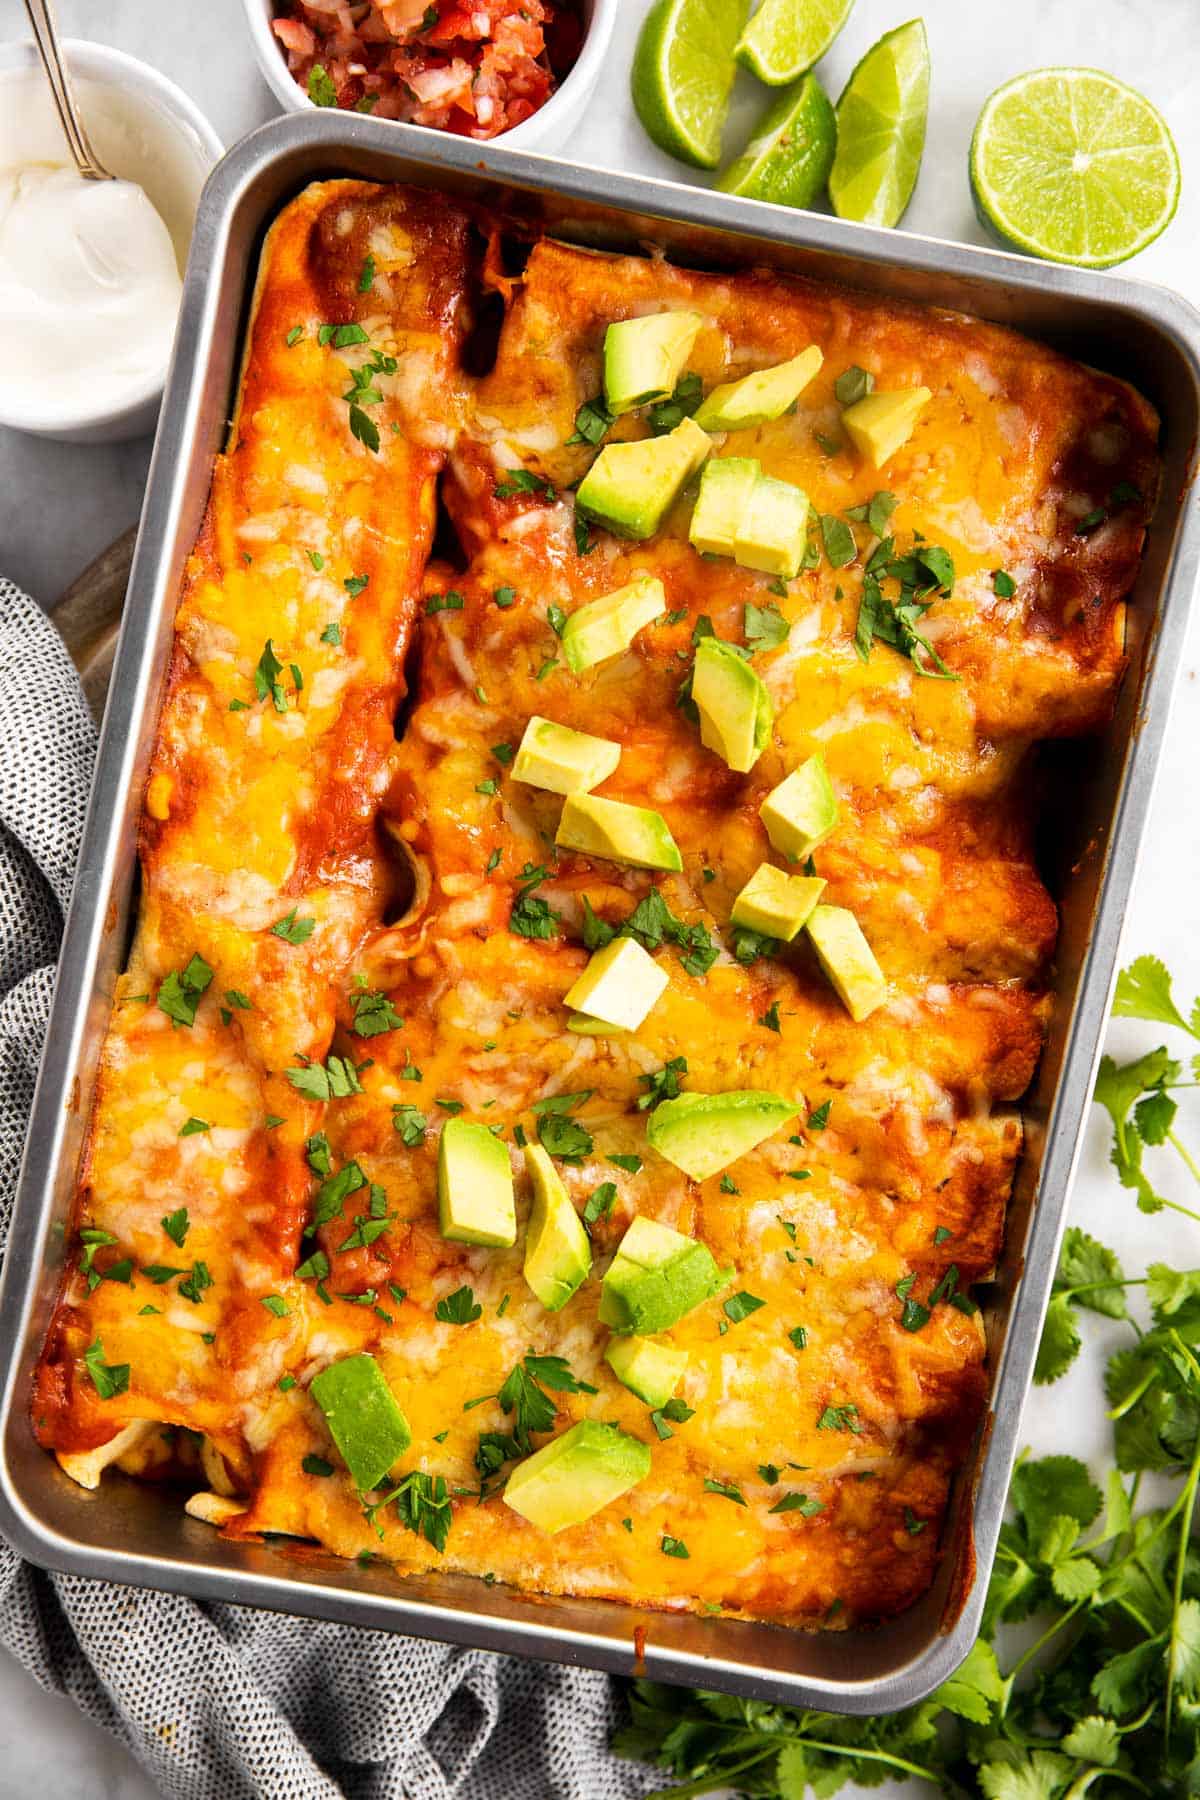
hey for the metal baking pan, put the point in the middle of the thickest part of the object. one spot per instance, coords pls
(129, 1532)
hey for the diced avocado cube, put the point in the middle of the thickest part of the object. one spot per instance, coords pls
(656, 1277)
(475, 1186)
(725, 489)
(703, 1133)
(363, 1418)
(801, 812)
(631, 487)
(880, 424)
(776, 904)
(564, 761)
(606, 627)
(758, 398)
(773, 532)
(558, 1254)
(634, 835)
(644, 358)
(584, 1026)
(619, 986)
(734, 706)
(848, 960)
(649, 1370)
(575, 1475)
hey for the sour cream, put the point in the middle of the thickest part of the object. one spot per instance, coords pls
(90, 271)
(89, 290)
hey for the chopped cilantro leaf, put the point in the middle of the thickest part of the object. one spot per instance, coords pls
(335, 1079)
(797, 1502)
(176, 1225)
(374, 1014)
(591, 422)
(292, 929)
(179, 992)
(664, 1085)
(600, 1202)
(458, 1308)
(725, 1489)
(108, 1379)
(853, 384)
(838, 539)
(522, 481)
(740, 1306)
(765, 627)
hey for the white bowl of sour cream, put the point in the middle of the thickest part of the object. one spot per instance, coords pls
(91, 271)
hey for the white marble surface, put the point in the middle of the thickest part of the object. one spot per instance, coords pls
(59, 507)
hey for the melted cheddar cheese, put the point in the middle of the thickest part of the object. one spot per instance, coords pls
(327, 816)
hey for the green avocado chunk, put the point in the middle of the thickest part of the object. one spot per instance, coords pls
(880, 424)
(649, 1370)
(656, 1277)
(631, 487)
(734, 706)
(475, 1186)
(776, 904)
(620, 985)
(558, 1254)
(363, 1418)
(772, 533)
(848, 960)
(606, 627)
(801, 812)
(576, 1474)
(759, 398)
(725, 489)
(563, 761)
(633, 835)
(703, 1133)
(644, 358)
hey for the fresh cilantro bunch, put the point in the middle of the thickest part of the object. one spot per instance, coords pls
(1103, 1698)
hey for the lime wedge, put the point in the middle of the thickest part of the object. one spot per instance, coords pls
(881, 128)
(1073, 165)
(786, 37)
(683, 69)
(791, 153)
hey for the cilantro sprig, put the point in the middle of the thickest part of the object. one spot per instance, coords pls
(925, 572)
(1137, 1095)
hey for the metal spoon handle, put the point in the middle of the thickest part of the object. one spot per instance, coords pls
(46, 38)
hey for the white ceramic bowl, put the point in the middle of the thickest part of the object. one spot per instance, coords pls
(153, 123)
(548, 126)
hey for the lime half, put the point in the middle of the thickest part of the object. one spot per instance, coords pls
(791, 153)
(683, 69)
(786, 37)
(1073, 165)
(881, 128)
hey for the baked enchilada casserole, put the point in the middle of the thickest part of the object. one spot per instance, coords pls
(591, 947)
